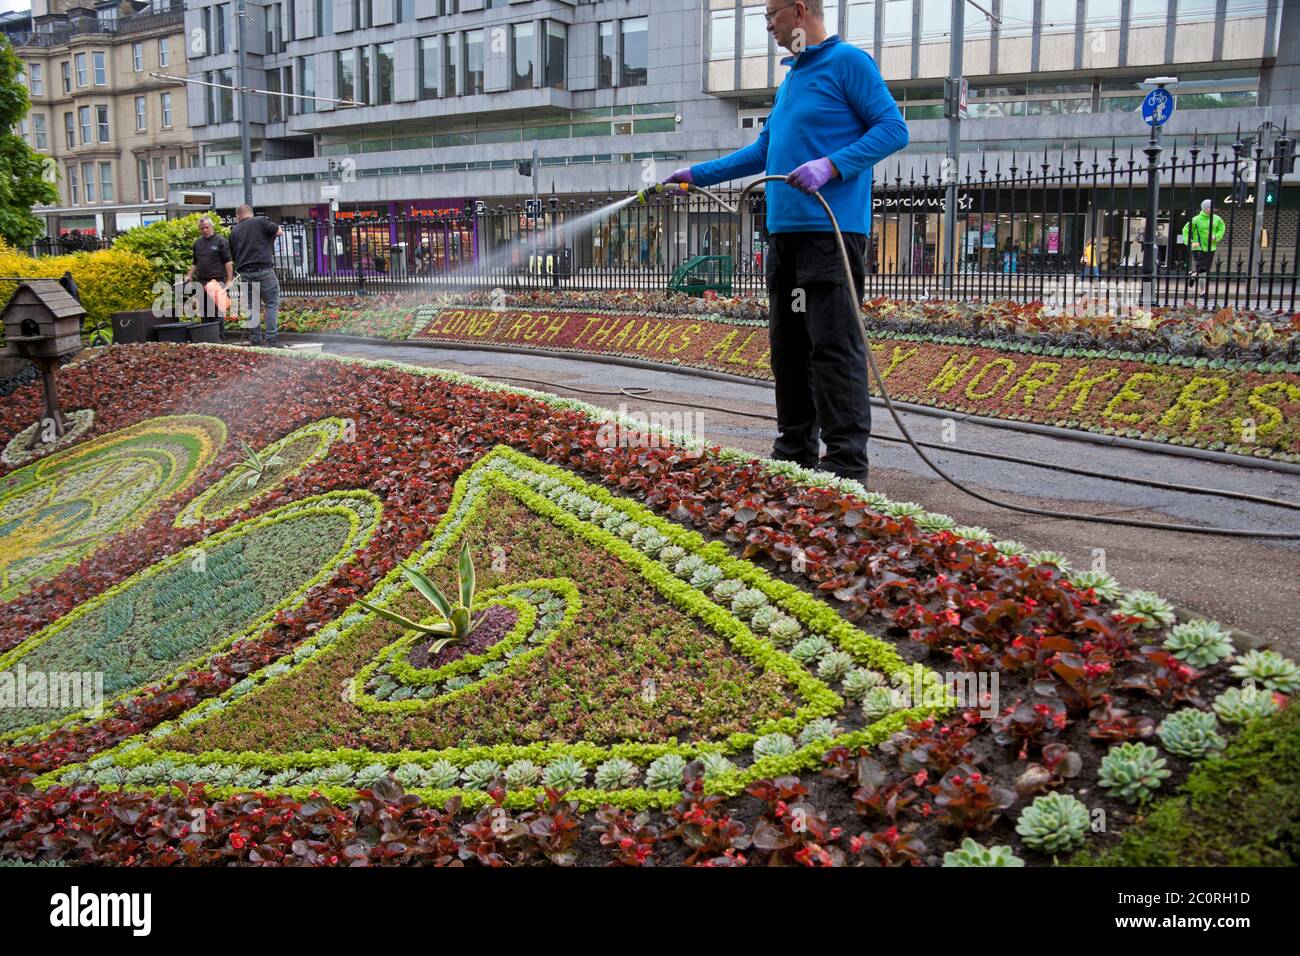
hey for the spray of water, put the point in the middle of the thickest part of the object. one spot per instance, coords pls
(558, 234)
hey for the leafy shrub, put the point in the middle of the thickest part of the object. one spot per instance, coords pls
(1199, 643)
(972, 853)
(1132, 772)
(1190, 733)
(1054, 823)
(109, 280)
(1269, 669)
(167, 246)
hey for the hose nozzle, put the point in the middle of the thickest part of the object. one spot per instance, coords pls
(644, 195)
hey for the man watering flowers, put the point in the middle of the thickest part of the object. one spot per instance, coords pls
(832, 120)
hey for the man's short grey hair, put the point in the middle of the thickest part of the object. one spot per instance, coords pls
(815, 8)
(244, 209)
(206, 219)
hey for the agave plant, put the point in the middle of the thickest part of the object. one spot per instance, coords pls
(457, 623)
(254, 466)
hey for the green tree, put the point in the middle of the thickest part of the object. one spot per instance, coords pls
(24, 180)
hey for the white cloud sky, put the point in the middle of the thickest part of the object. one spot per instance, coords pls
(7, 5)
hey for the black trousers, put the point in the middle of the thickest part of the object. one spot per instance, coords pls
(819, 361)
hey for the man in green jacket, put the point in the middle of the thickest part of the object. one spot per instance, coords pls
(1203, 233)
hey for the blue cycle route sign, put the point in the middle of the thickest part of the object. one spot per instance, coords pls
(1157, 107)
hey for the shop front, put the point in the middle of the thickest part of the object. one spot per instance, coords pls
(414, 237)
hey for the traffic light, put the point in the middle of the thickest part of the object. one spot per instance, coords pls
(1283, 155)
(1272, 191)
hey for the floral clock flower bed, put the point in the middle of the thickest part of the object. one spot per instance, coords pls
(1215, 404)
(692, 658)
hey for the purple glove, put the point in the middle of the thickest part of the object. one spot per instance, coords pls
(682, 175)
(811, 177)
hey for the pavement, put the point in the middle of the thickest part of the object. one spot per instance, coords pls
(1247, 584)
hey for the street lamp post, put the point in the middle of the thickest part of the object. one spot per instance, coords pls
(245, 147)
(1152, 150)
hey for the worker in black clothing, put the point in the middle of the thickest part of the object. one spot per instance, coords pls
(212, 261)
(252, 240)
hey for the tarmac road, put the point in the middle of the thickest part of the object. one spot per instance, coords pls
(1249, 585)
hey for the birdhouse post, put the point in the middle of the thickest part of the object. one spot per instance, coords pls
(42, 323)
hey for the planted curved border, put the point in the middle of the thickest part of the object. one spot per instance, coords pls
(180, 446)
(524, 630)
(546, 489)
(362, 509)
(19, 451)
(326, 432)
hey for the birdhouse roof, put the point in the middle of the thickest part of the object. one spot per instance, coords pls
(50, 294)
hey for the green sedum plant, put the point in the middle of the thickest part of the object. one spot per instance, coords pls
(784, 630)
(457, 622)
(1054, 823)
(565, 773)
(715, 763)
(1190, 733)
(878, 703)
(972, 853)
(774, 745)
(1099, 582)
(1132, 772)
(823, 728)
(617, 773)
(859, 681)
(811, 649)
(665, 773)
(1199, 643)
(522, 774)
(1242, 705)
(834, 665)
(480, 774)
(1153, 610)
(1270, 670)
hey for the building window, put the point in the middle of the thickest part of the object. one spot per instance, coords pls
(1195, 10)
(831, 15)
(1017, 17)
(384, 73)
(137, 57)
(324, 18)
(101, 120)
(403, 11)
(607, 55)
(363, 75)
(522, 49)
(140, 114)
(273, 18)
(83, 116)
(722, 35)
(634, 71)
(80, 59)
(66, 68)
(88, 179)
(428, 67)
(22, 131)
(1103, 14)
(345, 74)
(274, 104)
(40, 132)
(862, 23)
(898, 21)
(755, 36)
(74, 190)
(101, 68)
(557, 54)
(37, 74)
(473, 63)
(159, 181)
(363, 14)
(106, 182)
(223, 97)
(936, 18)
(1148, 13)
(307, 84)
(69, 131)
(142, 170)
(219, 15)
(450, 66)
(164, 51)
(166, 99)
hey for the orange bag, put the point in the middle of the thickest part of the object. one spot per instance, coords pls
(217, 293)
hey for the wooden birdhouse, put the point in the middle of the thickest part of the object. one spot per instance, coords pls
(42, 321)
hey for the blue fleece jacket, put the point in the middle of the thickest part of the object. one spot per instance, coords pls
(833, 103)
